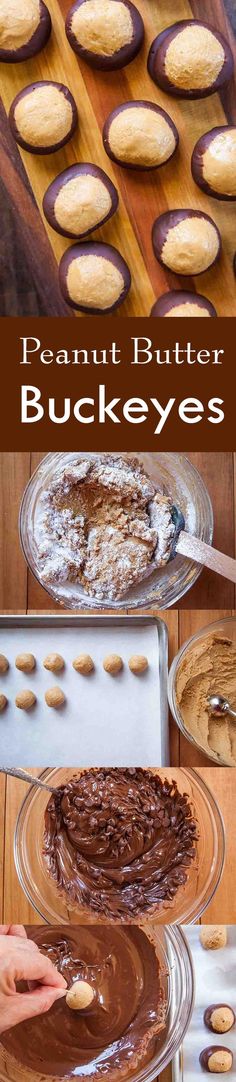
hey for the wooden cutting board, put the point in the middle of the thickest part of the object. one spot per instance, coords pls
(25, 177)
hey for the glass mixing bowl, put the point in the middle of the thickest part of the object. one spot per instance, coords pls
(228, 626)
(177, 967)
(190, 900)
(181, 481)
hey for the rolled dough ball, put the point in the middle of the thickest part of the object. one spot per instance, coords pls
(214, 163)
(213, 936)
(219, 1018)
(25, 662)
(25, 699)
(79, 200)
(25, 26)
(138, 664)
(107, 35)
(43, 117)
(216, 1059)
(186, 241)
(3, 702)
(54, 697)
(4, 663)
(94, 277)
(183, 304)
(83, 664)
(80, 996)
(54, 662)
(113, 664)
(139, 134)
(190, 59)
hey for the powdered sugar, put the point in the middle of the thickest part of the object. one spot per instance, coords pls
(103, 525)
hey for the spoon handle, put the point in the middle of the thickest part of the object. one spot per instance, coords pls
(231, 712)
(198, 550)
(17, 772)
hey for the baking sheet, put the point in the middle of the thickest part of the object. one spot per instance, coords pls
(215, 977)
(105, 721)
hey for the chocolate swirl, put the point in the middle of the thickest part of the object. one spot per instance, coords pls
(119, 841)
(124, 1027)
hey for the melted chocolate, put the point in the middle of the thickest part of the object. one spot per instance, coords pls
(124, 1027)
(119, 841)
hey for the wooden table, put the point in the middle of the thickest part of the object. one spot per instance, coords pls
(19, 590)
(31, 249)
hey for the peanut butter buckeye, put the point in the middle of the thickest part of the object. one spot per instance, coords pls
(107, 35)
(79, 200)
(216, 1059)
(25, 27)
(94, 277)
(190, 59)
(219, 1018)
(186, 241)
(140, 135)
(214, 162)
(180, 303)
(43, 117)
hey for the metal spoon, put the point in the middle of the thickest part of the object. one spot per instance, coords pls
(16, 772)
(219, 705)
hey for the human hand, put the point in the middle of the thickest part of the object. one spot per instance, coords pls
(20, 959)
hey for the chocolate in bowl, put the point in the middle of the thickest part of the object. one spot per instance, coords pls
(119, 841)
(55, 906)
(170, 473)
(126, 1022)
(154, 991)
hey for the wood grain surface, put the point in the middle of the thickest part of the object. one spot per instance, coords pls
(18, 588)
(30, 249)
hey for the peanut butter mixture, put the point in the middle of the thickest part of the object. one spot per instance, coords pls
(103, 525)
(209, 668)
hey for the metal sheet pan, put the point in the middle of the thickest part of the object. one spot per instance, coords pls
(215, 982)
(105, 721)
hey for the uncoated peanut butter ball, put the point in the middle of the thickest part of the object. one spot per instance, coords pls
(80, 996)
(4, 663)
(54, 662)
(25, 662)
(113, 664)
(83, 664)
(3, 702)
(54, 697)
(25, 699)
(213, 936)
(138, 664)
